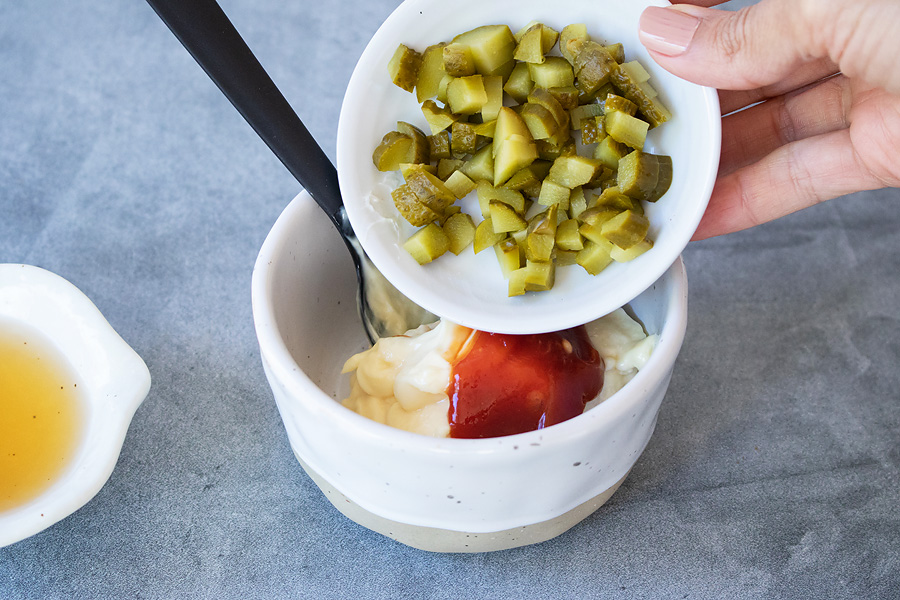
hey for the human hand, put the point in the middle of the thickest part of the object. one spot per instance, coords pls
(825, 75)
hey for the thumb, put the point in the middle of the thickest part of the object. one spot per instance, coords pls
(766, 42)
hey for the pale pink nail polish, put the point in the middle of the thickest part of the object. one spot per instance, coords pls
(667, 31)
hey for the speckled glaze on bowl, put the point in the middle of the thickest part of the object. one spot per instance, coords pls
(112, 378)
(445, 495)
(469, 288)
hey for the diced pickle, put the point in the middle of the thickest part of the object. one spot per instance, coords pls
(481, 166)
(530, 47)
(567, 236)
(463, 138)
(395, 149)
(527, 181)
(567, 96)
(620, 255)
(577, 202)
(595, 256)
(585, 111)
(664, 181)
(460, 184)
(439, 145)
(438, 118)
(430, 72)
(453, 209)
(516, 152)
(458, 61)
(650, 107)
(593, 65)
(609, 152)
(539, 276)
(593, 233)
(592, 130)
(404, 67)
(555, 71)
(508, 123)
(619, 103)
(596, 216)
(548, 38)
(575, 31)
(431, 191)
(626, 229)
(513, 146)
(493, 89)
(617, 51)
(544, 98)
(492, 47)
(541, 236)
(485, 237)
(421, 150)
(410, 208)
(508, 255)
(504, 218)
(427, 244)
(519, 84)
(442, 87)
(447, 166)
(565, 258)
(406, 169)
(488, 193)
(573, 171)
(539, 120)
(612, 198)
(634, 71)
(518, 35)
(639, 176)
(604, 178)
(516, 286)
(460, 231)
(487, 128)
(626, 129)
(554, 193)
(466, 95)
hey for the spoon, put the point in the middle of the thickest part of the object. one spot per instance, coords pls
(208, 35)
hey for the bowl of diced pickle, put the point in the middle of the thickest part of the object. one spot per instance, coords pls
(522, 166)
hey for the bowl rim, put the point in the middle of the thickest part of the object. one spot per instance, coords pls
(277, 357)
(110, 400)
(509, 315)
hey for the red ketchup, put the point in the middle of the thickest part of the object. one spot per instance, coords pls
(505, 384)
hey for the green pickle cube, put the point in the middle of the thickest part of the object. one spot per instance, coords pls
(626, 229)
(427, 244)
(460, 230)
(595, 256)
(505, 218)
(485, 236)
(403, 67)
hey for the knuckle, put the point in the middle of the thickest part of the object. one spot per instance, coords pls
(733, 37)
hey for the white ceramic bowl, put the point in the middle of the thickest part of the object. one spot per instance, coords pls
(436, 494)
(112, 378)
(469, 288)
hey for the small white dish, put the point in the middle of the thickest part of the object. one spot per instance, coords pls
(112, 378)
(469, 289)
(447, 495)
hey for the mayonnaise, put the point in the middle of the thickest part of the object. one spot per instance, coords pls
(402, 381)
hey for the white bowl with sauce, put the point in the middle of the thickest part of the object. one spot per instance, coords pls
(76, 387)
(437, 494)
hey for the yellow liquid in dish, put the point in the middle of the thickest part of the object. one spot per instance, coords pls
(40, 415)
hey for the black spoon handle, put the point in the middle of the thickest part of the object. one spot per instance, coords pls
(207, 33)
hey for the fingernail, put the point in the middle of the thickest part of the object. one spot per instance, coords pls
(666, 30)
